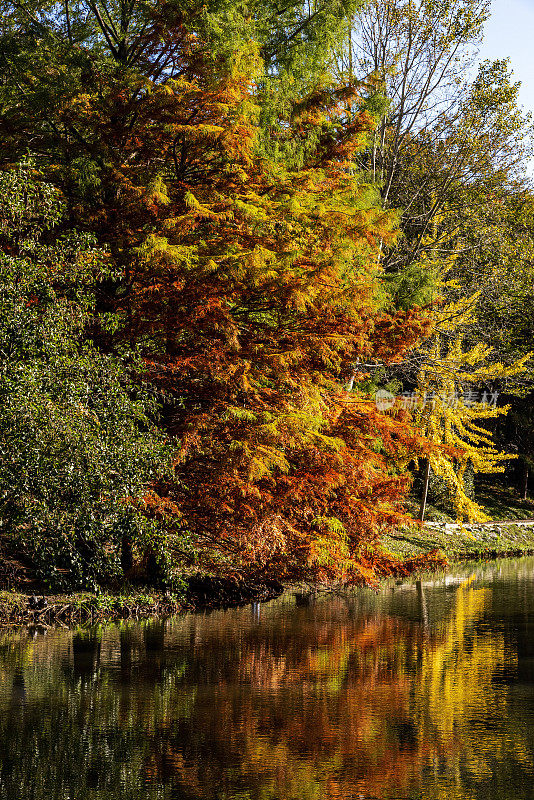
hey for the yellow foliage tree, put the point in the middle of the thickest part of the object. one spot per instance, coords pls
(451, 401)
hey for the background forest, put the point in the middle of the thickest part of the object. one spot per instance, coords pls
(265, 268)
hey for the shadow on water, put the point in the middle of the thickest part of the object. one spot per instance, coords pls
(425, 690)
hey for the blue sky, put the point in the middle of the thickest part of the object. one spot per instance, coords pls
(510, 34)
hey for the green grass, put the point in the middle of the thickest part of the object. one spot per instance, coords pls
(499, 503)
(458, 544)
(503, 503)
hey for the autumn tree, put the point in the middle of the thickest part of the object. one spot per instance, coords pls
(256, 290)
(450, 153)
(455, 395)
(441, 128)
(445, 142)
(247, 277)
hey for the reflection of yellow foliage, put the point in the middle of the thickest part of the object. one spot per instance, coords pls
(458, 707)
(455, 681)
(296, 704)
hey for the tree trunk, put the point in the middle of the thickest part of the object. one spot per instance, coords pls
(422, 507)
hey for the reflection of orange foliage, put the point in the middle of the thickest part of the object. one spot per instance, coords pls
(324, 707)
(390, 565)
(303, 705)
(317, 702)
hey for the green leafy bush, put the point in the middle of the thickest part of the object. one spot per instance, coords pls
(77, 441)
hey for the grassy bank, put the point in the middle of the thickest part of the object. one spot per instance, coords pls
(86, 608)
(454, 543)
(511, 533)
(468, 542)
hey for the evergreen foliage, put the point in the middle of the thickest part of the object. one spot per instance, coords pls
(77, 440)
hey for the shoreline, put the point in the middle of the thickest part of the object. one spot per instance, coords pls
(40, 610)
(451, 544)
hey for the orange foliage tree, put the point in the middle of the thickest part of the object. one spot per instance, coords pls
(249, 280)
(255, 289)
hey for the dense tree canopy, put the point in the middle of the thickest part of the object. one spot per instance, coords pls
(279, 195)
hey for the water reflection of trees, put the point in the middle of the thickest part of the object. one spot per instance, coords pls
(326, 701)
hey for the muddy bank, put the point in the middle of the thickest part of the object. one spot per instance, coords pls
(203, 592)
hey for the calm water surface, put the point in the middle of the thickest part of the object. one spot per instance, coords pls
(425, 690)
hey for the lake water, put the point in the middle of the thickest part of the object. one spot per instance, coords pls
(425, 690)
